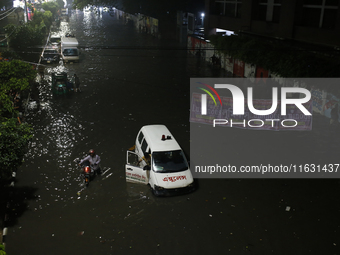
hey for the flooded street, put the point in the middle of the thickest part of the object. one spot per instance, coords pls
(129, 80)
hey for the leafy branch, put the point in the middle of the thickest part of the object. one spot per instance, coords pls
(2, 250)
(15, 78)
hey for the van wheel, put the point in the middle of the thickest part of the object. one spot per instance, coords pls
(155, 193)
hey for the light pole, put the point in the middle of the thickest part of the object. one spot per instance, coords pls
(26, 16)
(202, 16)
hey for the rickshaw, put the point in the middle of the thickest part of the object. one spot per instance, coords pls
(61, 84)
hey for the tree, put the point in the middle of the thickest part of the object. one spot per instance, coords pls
(25, 36)
(60, 3)
(51, 6)
(2, 249)
(15, 78)
(41, 19)
(14, 138)
(9, 54)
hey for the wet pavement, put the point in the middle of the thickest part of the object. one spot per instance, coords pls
(129, 80)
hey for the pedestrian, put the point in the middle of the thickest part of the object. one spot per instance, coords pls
(76, 83)
(93, 160)
(146, 159)
(334, 115)
(69, 85)
(41, 71)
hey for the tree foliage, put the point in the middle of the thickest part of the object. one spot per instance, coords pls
(14, 138)
(60, 3)
(34, 32)
(9, 54)
(42, 19)
(15, 78)
(2, 249)
(52, 6)
(26, 35)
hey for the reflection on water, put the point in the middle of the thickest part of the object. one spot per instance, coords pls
(55, 135)
(55, 132)
(92, 22)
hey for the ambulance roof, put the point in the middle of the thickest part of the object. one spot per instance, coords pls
(154, 134)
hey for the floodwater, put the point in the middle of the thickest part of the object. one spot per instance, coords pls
(129, 80)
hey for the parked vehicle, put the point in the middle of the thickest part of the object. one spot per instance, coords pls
(55, 40)
(50, 55)
(64, 11)
(158, 160)
(69, 49)
(61, 84)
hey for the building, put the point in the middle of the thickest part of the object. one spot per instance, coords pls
(307, 21)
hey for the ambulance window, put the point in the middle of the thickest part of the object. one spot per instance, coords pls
(144, 146)
(169, 161)
(140, 137)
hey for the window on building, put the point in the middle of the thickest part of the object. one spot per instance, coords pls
(268, 10)
(319, 13)
(230, 8)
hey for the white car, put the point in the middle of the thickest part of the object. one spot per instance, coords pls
(158, 160)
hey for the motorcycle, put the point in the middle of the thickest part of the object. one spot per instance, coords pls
(87, 170)
(88, 173)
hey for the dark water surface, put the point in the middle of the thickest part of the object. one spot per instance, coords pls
(129, 80)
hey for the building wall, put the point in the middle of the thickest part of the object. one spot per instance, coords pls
(290, 19)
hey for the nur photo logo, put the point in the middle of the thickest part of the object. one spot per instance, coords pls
(279, 110)
(204, 97)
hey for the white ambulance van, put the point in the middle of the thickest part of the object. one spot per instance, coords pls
(158, 160)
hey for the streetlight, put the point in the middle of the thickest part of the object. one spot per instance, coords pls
(202, 16)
